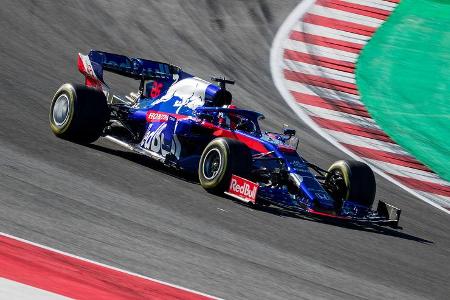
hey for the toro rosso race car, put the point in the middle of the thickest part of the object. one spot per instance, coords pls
(189, 124)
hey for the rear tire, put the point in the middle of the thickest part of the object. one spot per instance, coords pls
(357, 182)
(220, 159)
(78, 113)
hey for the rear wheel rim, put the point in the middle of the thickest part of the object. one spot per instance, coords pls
(212, 164)
(61, 110)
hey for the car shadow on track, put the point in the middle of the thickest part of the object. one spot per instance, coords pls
(372, 228)
(146, 162)
(159, 167)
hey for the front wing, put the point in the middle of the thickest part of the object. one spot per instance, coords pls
(385, 215)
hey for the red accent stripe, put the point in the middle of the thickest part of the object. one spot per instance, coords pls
(322, 61)
(323, 214)
(75, 278)
(80, 65)
(252, 143)
(393, 158)
(424, 186)
(325, 42)
(339, 24)
(352, 129)
(355, 8)
(337, 105)
(321, 82)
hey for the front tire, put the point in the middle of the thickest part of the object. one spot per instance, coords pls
(351, 180)
(220, 159)
(78, 113)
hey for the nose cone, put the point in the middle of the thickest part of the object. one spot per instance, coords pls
(323, 202)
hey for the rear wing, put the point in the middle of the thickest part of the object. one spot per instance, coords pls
(93, 65)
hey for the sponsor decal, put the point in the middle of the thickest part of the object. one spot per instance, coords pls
(158, 116)
(153, 141)
(183, 96)
(156, 89)
(155, 116)
(322, 196)
(242, 189)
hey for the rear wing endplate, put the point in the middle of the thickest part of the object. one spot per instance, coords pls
(93, 65)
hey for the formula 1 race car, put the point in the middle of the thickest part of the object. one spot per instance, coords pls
(189, 124)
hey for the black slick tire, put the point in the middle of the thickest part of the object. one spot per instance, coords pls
(220, 159)
(359, 181)
(78, 113)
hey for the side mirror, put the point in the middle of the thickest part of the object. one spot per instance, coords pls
(288, 131)
(205, 117)
(293, 141)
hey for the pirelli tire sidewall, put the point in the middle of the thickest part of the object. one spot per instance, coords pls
(87, 113)
(359, 180)
(235, 159)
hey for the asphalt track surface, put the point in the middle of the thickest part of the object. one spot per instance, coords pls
(117, 208)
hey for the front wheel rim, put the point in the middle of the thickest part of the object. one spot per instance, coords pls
(337, 183)
(61, 110)
(212, 164)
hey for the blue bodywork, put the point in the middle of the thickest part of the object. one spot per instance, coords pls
(175, 116)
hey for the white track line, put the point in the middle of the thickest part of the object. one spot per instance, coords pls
(320, 51)
(323, 72)
(322, 92)
(395, 169)
(14, 290)
(104, 265)
(331, 33)
(442, 200)
(388, 6)
(337, 115)
(365, 142)
(345, 16)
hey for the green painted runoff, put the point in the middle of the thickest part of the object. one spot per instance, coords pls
(403, 75)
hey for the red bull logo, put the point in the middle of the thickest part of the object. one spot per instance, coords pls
(243, 189)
